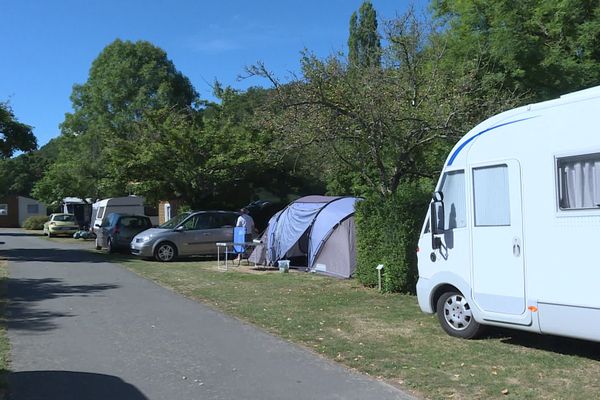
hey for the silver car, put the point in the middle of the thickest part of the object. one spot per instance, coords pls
(187, 234)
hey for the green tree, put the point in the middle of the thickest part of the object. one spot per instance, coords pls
(19, 174)
(364, 46)
(377, 127)
(77, 171)
(125, 80)
(14, 135)
(540, 48)
(202, 162)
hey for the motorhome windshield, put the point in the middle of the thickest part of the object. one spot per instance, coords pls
(173, 222)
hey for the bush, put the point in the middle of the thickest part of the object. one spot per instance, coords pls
(35, 223)
(387, 233)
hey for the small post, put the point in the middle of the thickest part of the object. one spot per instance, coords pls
(379, 268)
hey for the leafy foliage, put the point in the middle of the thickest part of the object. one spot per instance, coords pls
(541, 48)
(14, 135)
(125, 80)
(35, 222)
(78, 170)
(175, 154)
(387, 234)
(380, 126)
(19, 174)
(364, 46)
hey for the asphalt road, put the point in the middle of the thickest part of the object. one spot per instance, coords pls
(81, 328)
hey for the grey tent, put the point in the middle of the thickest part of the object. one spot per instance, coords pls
(317, 229)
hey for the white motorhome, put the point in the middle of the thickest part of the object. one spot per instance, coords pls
(510, 236)
(126, 205)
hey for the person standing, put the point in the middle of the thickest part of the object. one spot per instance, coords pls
(246, 221)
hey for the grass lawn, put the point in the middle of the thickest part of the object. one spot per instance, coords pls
(386, 335)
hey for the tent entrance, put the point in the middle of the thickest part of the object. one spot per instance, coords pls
(298, 254)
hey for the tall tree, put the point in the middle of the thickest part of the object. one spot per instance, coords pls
(14, 135)
(375, 128)
(542, 48)
(125, 80)
(364, 46)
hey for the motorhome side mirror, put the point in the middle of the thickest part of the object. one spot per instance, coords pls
(438, 196)
(437, 221)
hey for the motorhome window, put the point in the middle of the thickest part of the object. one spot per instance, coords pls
(33, 209)
(579, 182)
(100, 213)
(455, 209)
(3, 209)
(491, 197)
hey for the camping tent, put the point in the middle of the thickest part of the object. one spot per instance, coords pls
(316, 229)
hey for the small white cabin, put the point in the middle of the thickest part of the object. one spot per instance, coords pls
(516, 217)
(127, 205)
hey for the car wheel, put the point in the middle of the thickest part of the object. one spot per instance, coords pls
(98, 247)
(456, 317)
(109, 246)
(165, 252)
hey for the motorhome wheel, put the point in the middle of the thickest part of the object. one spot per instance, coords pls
(456, 317)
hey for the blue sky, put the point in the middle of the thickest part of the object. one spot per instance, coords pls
(47, 46)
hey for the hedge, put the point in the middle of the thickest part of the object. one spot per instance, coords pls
(35, 223)
(387, 230)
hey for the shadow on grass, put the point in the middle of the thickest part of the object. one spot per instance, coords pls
(122, 255)
(68, 385)
(22, 312)
(554, 344)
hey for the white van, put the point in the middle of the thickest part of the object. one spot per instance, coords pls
(510, 236)
(133, 205)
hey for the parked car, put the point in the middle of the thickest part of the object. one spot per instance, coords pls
(117, 230)
(188, 234)
(60, 224)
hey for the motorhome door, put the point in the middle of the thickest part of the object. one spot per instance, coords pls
(497, 239)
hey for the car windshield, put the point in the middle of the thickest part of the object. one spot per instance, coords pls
(64, 218)
(173, 222)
